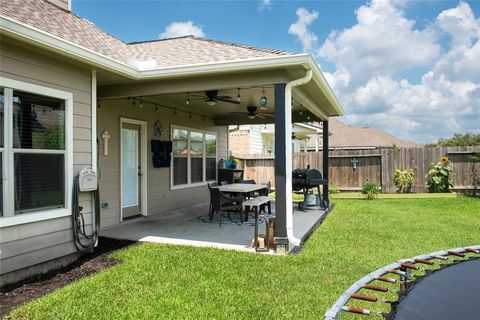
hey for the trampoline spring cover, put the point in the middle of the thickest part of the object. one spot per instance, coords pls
(337, 307)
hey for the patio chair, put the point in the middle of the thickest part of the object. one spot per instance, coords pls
(265, 192)
(211, 185)
(250, 194)
(219, 203)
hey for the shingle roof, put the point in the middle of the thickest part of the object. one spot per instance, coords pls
(345, 136)
(166, 52)
(193, 50)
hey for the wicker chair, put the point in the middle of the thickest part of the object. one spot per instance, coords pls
(219, 203)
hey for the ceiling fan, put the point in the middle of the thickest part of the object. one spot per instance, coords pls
(213, 98)
(252, 113)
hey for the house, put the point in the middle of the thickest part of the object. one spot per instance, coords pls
(75, 97)
(343, 136)
(255, 139)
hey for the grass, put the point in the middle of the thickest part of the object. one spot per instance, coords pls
(396, 195)
(174, 282)
(296, 197)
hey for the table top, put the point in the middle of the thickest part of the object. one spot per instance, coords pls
(241, 187)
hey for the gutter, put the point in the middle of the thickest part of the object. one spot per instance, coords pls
(288, 144)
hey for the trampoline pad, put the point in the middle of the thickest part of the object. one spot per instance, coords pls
(451, 293)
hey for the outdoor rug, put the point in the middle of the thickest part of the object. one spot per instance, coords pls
(233, 220)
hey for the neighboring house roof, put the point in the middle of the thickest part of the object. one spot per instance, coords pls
(348, 137)
(165, 52)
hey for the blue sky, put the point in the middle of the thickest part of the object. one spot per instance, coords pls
(372, 83)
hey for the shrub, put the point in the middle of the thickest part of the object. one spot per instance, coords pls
(333, 189)
(404, 180)
(439, 177)
(370, 190)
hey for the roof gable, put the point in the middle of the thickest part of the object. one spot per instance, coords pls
(162, 53)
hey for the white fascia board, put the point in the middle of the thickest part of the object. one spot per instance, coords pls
(65, 47)
(253, 64)
(308, 127)
(319, 78)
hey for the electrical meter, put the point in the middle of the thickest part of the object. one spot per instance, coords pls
(87, 180)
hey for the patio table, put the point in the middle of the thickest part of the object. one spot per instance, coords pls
(244, 189)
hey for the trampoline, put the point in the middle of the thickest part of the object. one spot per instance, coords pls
(440, 285)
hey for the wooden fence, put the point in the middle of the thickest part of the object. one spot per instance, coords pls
(376, 165)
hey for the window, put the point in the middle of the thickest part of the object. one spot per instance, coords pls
(38, 127)
(34, 154)
(194, 157)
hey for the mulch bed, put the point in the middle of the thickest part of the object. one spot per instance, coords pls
(34, 287)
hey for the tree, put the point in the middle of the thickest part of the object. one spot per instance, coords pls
(459, 140)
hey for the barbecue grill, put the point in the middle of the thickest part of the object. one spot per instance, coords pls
(304, 180)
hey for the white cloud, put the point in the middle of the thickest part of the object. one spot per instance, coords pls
(300, 28)
(265, 5)
(371, 58)
(381, 43)
(182, 28)
(460, 23)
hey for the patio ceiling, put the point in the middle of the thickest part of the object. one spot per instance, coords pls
(172, 93)
(224, 113)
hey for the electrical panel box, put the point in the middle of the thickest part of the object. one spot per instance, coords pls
(87, 180)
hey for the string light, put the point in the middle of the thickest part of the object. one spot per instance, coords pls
(187, 101)
(141, 103)
(238, 95)
(190, 116)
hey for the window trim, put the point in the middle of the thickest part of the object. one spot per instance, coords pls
(9, 218)
(204, 158)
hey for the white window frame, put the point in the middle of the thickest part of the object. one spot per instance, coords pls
(189, 184)
(9, 218)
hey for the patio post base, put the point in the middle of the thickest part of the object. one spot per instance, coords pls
(281, 245)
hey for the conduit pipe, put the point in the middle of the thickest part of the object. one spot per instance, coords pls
(288, 152)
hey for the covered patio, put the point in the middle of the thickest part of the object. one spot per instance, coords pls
(189, 226)
(204, 99)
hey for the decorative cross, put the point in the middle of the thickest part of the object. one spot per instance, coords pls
(105, 137)
(354, 163)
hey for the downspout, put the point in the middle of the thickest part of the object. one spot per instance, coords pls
(288, 144)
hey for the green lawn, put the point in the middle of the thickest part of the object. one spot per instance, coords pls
(173, 282)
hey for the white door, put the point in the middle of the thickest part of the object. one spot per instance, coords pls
(131, 170)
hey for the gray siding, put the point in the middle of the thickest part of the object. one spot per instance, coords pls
(28, 244)
(160, 197)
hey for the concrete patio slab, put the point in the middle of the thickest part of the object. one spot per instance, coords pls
(183, 227)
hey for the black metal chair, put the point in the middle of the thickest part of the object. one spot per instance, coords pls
(219, 203)
(265, 192)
